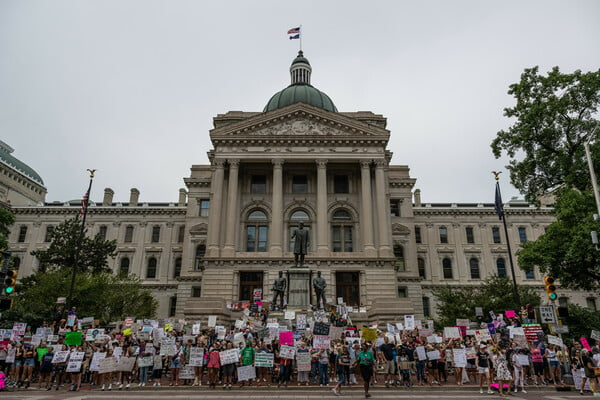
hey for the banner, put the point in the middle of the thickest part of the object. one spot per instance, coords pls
(264, 360)
(246, 373)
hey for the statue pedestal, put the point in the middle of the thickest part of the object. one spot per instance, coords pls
(299, 284)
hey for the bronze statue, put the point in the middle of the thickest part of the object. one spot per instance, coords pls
(319, 284)
(278, 289)
(301, 244)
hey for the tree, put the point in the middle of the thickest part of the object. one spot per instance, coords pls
(565, 251)
(101, 295)
(581, 321)
(494, 294)
(92, 253)
(554, 115)
(6, 220)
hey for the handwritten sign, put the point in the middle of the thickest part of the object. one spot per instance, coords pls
(75, 361)
(264, 360)
(230, 356)
(321, 342)
(287, 352)
(196, 356)
(246, 373)
(321, 329)
(303, 361)
(60, 357)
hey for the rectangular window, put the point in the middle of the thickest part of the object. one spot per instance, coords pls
(49, 231)
(443, 234)
(470, 236)
(402, 292)
(155, 234)
(258, 184)
(426, 307)
(496, 234)
(529, 275)
(591, 303)
(204, 207)
(342, 238)
(256, 238)
(196, 291)
(248, 282)
(418, 234)
(128, 234)
(102, 232)
(522, 234)
(347, 287)
(421, 266)
(341, 184)
(395, 208)
(181, 234)
(22, 234)
(172, 306)
(300, 184)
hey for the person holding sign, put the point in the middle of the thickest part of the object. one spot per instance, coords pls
(214, 364)
(176, 363)
(247, 358)
(46, 369)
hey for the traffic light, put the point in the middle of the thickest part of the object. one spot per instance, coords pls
(10, 281)
(550, 288)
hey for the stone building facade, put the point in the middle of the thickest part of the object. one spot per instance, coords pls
(379, 248)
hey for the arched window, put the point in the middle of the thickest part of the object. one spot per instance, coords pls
(128, 234)
(257, 231)
(421, 266)
(124, 266)
(200, 252)
(341, 235)
(501, 267)
(399, 254)
(295, 218)
(447, 268)
(177, 270)
(151, 270)
(474, 266)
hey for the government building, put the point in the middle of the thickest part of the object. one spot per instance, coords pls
(381, 250)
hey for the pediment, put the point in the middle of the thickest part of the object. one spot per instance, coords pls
(399, 229)
(299, 120)
(200, 229)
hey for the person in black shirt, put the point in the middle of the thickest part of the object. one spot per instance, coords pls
(483, 367)
(387, 349)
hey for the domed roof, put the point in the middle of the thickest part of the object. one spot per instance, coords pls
(300, 90)
(18, 165)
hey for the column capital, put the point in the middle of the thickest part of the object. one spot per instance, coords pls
(219, 162)
(365, 163)
(234, 162)
(277, 162)
(380, 162)
(321, 163)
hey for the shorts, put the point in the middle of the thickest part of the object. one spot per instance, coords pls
(390, 367)
(554, 363)
(175, 364)
(29, 362)
(484, 370)
(366, 371)
(228, 369)
(538, 368)
(18, 363)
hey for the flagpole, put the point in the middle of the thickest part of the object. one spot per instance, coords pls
(84, 204)
(300, 37)
(502, 216)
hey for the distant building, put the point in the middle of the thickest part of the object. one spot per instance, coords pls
(299, 160)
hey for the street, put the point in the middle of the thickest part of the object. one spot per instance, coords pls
(436, 393)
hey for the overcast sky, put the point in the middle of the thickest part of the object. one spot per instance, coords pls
(130, 87)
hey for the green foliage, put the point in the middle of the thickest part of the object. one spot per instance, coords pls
(92, 254)
(101, 295)
(494, 294)
(565, 250)
(6, 220)
(582, 321)
(554, 115)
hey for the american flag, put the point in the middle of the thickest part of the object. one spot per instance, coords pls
(294, 30)
(84, 203)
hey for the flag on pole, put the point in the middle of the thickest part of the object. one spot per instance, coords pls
(294, 30)
(498, 202)
(84, 203)
(295, 37)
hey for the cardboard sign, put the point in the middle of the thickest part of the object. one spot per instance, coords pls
(303, 361)
(264, 360)
(146, 361)
(246, 373)
(126, 364)
(335, 332)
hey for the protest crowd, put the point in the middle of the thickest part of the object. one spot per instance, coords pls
(508, 354)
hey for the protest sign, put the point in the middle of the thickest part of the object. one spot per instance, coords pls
(73, 338)
(335, 332)
(369, 334)
(146, 361)
(125, 364)
(471, 353)
(451, 333)
(289, 315)
(399, 326)
(286, 338)
(585, 344)
(107, 364)
(36, 340)
(230, 356)
(246, 373)
(10, 356)
(300, 321)
(462, 322)
(421, 353)
(196, 328)
(287, 352)
(220, 331)
(303, 361)
(92, 334)
(460, 357)
(187, 372)
(433, 355)
(321, 342)
(321, 329)
(409, 322)
(555, 340)
(19, 328)
(391, 329)
(523, 359)
(196, 356)
(212, 321)
(264, 360)
(75, 361)
(95, 363)
(60, 357)
(595, 335)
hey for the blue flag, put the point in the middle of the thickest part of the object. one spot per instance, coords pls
(498, 202)
(295, 37)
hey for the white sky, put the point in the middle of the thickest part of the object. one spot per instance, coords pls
(130, 87)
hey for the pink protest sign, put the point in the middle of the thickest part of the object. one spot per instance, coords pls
(510, 314)
(286, 338)
(585, 344)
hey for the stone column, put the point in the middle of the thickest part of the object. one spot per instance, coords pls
(214, 215)
(322, 245)
(383, 214)
(276, 236)
(366, 218)
(232, 197)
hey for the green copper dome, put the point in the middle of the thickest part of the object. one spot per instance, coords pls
(300, 90)
(17, 165)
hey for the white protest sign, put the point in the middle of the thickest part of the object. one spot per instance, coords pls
(523, 359)
(595, 335)
(146, 361)
(196, 356)
(92, 334)
(514, 330)
(238, 339)
(230, 356)
(399, 326)
(196, 328)
(75, 361)
(239, 324)
(451, 332)
(460, 357)
(95, 363)
(212, 321)
(246, 373)
(391, 329)
(126, 364)
(264, 359)
(462, 322)
(555, 340)
(321, 342)
(60, 357)
(409, 322)
(335, 332)
(286, 351)
(433, 355)
(186, 372)
(10, 356)
(220, 331)
(107, 364)
(289, 315)
(421, 353)
(303, 361)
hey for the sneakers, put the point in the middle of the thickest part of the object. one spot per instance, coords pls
(481, 391)
(523, 391)
(490, 391)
